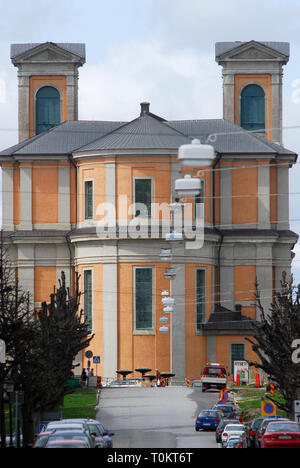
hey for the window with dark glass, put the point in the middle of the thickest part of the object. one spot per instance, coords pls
(143, 197)
(47, 109)
(143, 298)
(253, 108)
(88, 199)
(200, 298)
(237, 353)
(88, 298)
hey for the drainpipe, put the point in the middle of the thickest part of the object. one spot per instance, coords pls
(218, 159)
(68, 240)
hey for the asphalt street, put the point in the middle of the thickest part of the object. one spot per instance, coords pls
(156, 417)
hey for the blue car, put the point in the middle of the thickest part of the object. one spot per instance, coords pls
(227, 410)
(208, 420)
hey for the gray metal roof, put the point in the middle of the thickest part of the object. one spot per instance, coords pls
(227, 137)
(223, 47)
(63, 139)
(145, 132)
(74, 48)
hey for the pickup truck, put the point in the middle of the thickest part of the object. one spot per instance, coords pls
(214, 376)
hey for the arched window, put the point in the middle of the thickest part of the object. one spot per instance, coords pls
(253, 108)
(47, 109)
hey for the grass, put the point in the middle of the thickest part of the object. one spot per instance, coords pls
(80, 404)
(250, 403)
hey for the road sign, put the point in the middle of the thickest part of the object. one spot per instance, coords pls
(89, 354)
(268, 408)
(96, 360)
(2, 352)
(297, 410)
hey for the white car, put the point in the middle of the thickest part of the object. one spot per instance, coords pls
(230, 430)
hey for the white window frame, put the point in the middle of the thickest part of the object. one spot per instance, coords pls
(84, 200)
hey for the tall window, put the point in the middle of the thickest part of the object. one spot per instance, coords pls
(143, 197)
(200, 299)
(88, 199)
(88, 298)
(47, 109)
(237, 353)
(253, 108)
(143, 298)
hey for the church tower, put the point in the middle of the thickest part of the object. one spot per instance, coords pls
(252, 85)
(48, 84)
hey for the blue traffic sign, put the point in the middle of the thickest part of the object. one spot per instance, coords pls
(96, 359)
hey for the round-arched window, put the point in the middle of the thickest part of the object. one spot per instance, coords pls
(253, 108)
(47, 109)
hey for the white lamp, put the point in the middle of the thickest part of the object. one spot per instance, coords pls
(188, 186)
(196, 154)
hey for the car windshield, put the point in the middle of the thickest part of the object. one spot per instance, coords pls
(209, 414)
(234, 427)
(256, 423)
(61, 427)
(225, 409)
(214, 371)
(74, 446)
(283, 427)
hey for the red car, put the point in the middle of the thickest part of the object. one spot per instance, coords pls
(281, 434)
(67, 444)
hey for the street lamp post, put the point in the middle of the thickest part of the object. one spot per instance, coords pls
(191, 155)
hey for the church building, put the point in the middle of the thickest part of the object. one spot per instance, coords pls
(63, 173)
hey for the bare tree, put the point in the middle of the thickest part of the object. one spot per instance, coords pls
(273, 338)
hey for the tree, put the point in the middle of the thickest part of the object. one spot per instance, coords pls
(16, 324)
(61, 332)
(273, 338)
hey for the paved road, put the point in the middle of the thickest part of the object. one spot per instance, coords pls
(155, 417)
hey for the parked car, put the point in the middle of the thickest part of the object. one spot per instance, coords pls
(262, 427)
(96, 429)
(232, 429)
(227, 410)
(251, 431)
(65, 425)
(237, 441)
(281, 434)
(42, 439)
(126, 383)
(208, 419)
(223, 423)
(76, 435)
(74, 444)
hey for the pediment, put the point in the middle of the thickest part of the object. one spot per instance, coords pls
(253, 51)
(47, 52)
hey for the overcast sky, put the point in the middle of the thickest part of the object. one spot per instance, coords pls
(160, 51)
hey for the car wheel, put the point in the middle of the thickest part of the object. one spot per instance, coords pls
(197, 429)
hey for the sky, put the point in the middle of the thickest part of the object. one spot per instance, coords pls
(161, 51)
